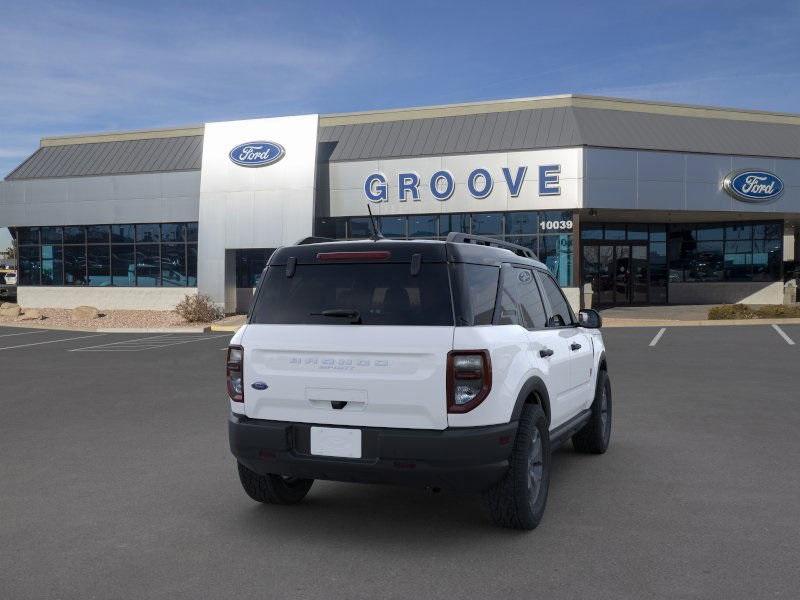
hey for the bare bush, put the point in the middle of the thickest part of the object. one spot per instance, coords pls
(198, 308)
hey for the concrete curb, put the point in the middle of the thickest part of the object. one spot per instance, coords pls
(39, 325)
(225, 328)
(608, 322)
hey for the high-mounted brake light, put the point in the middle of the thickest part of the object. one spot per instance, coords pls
(234, 369)
(469, 379)
(367, 255)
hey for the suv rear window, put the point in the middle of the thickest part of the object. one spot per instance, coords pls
(378, 293)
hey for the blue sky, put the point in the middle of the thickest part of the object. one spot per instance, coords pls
(74, 67)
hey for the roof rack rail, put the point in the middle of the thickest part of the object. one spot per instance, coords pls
(456, 237)
(313, 239)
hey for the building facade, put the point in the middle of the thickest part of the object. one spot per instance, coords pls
(644, 203)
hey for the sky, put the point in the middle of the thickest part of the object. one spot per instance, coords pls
(77, 67)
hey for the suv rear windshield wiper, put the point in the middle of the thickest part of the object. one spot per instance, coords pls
(344, 313)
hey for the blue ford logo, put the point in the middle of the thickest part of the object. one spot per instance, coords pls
(753, 186)
(257, 154)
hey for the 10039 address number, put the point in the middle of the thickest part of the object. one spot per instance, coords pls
(556, 225)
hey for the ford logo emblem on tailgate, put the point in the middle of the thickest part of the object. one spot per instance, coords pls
(259, 385)
(750, 185)
(257, 154)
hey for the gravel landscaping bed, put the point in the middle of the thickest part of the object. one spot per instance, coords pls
(58, 318)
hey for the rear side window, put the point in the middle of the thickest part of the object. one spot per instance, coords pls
(475, 293)
(560, 314)
(520, 301)
(378, 293)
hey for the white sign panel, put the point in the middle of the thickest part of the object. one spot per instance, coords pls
(527, 180)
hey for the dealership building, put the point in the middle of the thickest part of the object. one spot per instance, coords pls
(646, 202)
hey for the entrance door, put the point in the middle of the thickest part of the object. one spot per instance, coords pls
(618, 272)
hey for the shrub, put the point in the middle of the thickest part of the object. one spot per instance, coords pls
(198, 308)
(731, 311)
(747, 311)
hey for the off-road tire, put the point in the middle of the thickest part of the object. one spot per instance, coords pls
(596, 434)
(273, 489)
(515, 501)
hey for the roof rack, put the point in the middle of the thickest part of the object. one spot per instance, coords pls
(456, 237)
(313, 239)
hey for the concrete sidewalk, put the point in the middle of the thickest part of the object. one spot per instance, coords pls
(675, 316)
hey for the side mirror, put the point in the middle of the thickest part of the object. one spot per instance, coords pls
(590, 319)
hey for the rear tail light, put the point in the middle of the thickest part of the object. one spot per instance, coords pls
(235, 373)
(469, 379)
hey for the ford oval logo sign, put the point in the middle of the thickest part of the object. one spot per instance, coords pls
(257, 154)
(753, 186)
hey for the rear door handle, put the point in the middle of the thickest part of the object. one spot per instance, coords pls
(545, 353)
(575, 346)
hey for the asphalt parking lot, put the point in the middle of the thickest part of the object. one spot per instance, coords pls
(116, 482)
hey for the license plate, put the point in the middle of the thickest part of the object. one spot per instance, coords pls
(335, 441)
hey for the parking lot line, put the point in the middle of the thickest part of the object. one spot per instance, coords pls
(151, 337)
(658, 337)
(782, 333)
(82, 337)
(140, 344)
(23, 333)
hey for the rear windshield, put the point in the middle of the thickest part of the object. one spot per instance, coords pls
(366, 294)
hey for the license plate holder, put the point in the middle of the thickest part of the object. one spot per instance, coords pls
(337, 442)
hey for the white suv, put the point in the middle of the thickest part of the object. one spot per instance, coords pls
(451, 364)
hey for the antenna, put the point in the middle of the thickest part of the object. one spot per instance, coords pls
(376, 231)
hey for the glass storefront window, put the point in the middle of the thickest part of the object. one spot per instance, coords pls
(106, 255)
(393, 227)
(74, 235)
(97, 234)
(173, 232)
(637, 232)
(614, 231)
(29, 264)
(360, 227)
(122, 234)
(426, 226)
(52, 265)
(173, 265)
(454, 222)
(123, 265)
(98, 260)
(591, 231)
(487, 223)
(555, 251)
(148, 265)
(148, 233)
(51, 235)
(522, 223)
(74, 265)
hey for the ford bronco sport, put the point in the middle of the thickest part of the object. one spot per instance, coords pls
(454, 364)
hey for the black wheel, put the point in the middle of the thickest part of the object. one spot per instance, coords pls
(518, 500)
(273, 489)
(595, 435)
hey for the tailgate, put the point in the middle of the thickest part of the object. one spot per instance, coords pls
(371, 376)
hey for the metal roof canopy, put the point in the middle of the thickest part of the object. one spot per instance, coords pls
(503, 125)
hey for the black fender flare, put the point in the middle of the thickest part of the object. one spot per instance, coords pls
(534, 385)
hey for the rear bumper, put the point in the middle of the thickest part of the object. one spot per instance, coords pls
(468, 459)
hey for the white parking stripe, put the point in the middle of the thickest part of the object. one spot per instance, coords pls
(782, 333)
(153, 344)
(658, 337)
(25, 333)
(83, 337)
(122, 342)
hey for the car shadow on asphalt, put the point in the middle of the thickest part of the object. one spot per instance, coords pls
(394, 514)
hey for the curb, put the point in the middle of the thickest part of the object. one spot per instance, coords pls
(225, 328)
(610, 322)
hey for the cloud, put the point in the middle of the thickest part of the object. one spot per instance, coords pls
(68, 68)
